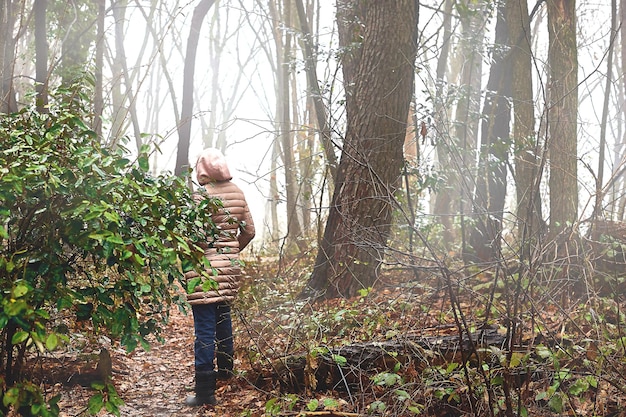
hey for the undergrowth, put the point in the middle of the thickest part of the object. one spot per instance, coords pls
(558, 343)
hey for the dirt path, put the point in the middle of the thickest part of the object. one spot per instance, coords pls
(155, 383)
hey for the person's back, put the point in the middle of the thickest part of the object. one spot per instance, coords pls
(211, 309)
(233, 219)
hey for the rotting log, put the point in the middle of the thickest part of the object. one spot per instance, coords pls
(351, 367)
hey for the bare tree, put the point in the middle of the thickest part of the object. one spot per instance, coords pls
(98, 102)
(41, 55)
(563, 114)
(184, 127)
(9, 11)
(527, 172)
(488, 201)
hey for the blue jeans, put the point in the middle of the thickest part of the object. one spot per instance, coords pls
(213, 326)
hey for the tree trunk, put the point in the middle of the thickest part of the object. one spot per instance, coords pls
(562, 115)
(98, 101)
(464, 140)
(310, 61)
(378, 81)
(488, 203)
(598, 209)
(295, 373)
(77, 23)
(119, 11)
(8, 13)
(283, 41)
(442, 204)
(41, 56)
(524, 136)
(184, 127)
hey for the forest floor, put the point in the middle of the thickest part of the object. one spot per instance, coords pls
(156, 382)
(569, 358)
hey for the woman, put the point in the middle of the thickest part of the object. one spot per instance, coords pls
(211, 309)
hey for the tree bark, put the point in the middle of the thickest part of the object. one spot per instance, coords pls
(98, 101)
(378, 68)
(364, 360)
(442, 204)
(41, 56)
(488, 202)
(527, 172)
(562, 115)
(8, 13)
(184, 127)
(310, 61)
(598, 209)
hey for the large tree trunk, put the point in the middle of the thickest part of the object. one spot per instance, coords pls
(527, 170)
(378, 80)
(184, 127)
(562, 115)
(488, 203)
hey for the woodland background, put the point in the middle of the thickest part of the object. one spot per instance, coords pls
(438, 189)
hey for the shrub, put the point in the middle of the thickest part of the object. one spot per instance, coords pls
(88, 233)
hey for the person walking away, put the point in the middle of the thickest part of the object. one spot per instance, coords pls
(211, 309)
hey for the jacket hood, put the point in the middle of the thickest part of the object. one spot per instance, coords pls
(212, 167)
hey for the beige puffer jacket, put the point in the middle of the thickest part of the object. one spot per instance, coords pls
(235, 222)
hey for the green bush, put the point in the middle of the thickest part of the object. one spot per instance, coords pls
(85, 233)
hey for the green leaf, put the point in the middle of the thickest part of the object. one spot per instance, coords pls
(11, 397)
(312, 405)
(556, 404)
(192, 284)
(19, 337)
(144, 163)
(339, 360)
(95, 404)
(330, 403)
(15, 307)
(115, 239)
(579, 387)
(52, 341)
(20, 290)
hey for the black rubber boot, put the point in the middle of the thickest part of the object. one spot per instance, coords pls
(224, 365)
(205, 390)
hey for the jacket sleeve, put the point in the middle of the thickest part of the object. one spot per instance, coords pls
(246, 230)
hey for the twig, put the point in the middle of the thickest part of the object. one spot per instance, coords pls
(321, 414)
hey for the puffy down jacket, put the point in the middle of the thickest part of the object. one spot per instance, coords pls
(235, 223)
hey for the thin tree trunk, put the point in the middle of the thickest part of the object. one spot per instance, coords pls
(98, 102)
(314, 93)
(524, 136)
(598, 209)
(41, 56)
(563, 114)
(488, 203)
(184, 127)
(283, 108)
(442, 204)
(119, 10)
(8, 13)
